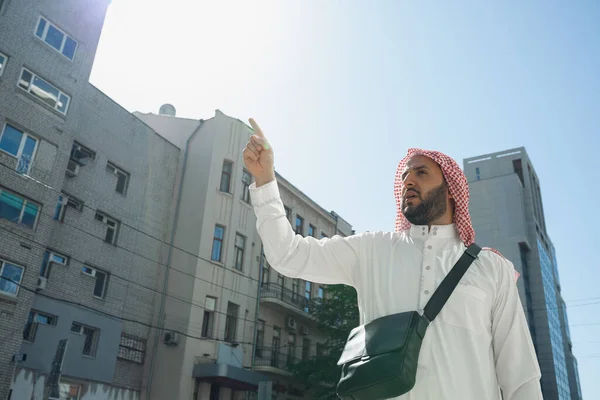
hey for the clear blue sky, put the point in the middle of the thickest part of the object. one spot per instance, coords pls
(343, 88)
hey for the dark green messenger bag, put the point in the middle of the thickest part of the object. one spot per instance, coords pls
(379, 360)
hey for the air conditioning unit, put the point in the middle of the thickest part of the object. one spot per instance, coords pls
(72, 169)
(291, 323)
(41, 283)
(171, 338)
(304, 330)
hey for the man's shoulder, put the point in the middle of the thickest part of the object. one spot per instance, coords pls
(495, 263)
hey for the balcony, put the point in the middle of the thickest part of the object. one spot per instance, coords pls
(273, 360)
(285, 298)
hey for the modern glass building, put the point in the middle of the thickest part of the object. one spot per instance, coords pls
(508, 214)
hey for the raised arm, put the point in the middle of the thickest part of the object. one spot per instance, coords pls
(328, 260)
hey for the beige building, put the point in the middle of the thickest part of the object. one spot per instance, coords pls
(215, 264)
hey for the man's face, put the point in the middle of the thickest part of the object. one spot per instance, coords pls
(425, 197)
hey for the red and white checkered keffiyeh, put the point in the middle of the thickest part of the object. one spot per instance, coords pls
(459, 189)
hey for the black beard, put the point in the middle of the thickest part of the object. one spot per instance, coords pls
(431, 208)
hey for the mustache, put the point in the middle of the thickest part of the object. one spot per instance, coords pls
(412, 191)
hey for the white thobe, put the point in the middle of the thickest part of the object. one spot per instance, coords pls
(478, 347)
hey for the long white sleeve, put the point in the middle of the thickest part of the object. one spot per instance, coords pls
(328, 260)
(517, 366)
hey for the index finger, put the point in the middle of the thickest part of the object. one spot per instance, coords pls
(256, 128)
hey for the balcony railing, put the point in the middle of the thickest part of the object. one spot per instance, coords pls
(276, 291)
(276, 358)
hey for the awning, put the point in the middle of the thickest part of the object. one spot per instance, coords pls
(228, 376)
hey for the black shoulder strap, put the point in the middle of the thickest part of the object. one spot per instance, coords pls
(443, 292)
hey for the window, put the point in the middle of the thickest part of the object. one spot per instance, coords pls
(132, 348)
(311, 230)
(323, 235)
(69, 391)
(518, 168)
(122, 177)
(90, 344)
(37, 318)
(291, 348)
(231, 322)
(54, 258)
(79, 152)
(226, 177)
(307, 294)
(320, 293)
(299, 225)
(3, 58)
(240, 245)
(275, 344)
(56, 38)
(305, 348)
(246, 181)
(288, 213)
(17, 209)
(260, 337)
(217, 247)
(44, 91)
(295, 290)
(65, 201)
(320, 350)
(20, 145)
(10, 278)
(112, 227)
(210, 305)
(477, 173)
(101, 280)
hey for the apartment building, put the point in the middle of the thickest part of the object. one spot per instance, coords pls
(287, 331)
(508, 214)
(220, 260)
(85, 199)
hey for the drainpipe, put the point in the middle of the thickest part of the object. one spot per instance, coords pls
(258, 293)
(168, 265)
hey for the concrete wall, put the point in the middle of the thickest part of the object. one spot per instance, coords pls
(40, 353)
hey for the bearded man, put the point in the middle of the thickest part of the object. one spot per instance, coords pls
(479, 346)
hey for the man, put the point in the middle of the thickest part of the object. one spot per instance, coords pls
(479, 346)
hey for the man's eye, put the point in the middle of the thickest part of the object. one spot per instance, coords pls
(421, 172)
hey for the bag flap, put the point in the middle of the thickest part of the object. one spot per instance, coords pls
(379, 336)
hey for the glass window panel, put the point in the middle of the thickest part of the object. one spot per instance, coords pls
(54, 37)
(2, 63)
(219, 232)
(100, 281)
(69, 48)
(45, 91)
(30, 214)
(11, 140)
(40, 28)
(63, 103)
(10, 278)
(10, 206)
(25, 80)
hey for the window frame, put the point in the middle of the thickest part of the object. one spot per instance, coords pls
(246, 186)
(239, 252)
(26, 202)
(5, 62)
(105, 219)
(221, 242)
(46, 267)
(312, 230)
(95, 338)
(39, 98)
(232, 317)
(31, 327)
(118, 172)
(19, 155)
(226, 175)
(208, 318)
(3, 262)
(45, 35)
(299, 227)
(94, 274)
